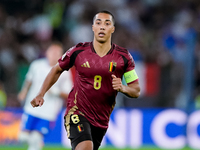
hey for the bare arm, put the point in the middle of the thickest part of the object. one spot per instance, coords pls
(132, 90)
(51, 78)
(25, 88)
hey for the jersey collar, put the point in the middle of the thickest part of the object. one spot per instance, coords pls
(109, 52)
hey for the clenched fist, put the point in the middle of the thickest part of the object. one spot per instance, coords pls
(37, 101)
(117, 83)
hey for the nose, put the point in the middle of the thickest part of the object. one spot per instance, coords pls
(102, 28)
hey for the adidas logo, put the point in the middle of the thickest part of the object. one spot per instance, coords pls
(86, 64)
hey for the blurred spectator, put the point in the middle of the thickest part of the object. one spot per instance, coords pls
(36, 123)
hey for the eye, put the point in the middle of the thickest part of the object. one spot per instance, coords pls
(108, 23)
(98, 23)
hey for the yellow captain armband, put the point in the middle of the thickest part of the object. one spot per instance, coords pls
(130, 76)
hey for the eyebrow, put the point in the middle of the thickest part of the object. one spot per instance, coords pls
(100, 20)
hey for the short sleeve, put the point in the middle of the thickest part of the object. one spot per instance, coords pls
(68, 59)
(65, 61)
(130, 63)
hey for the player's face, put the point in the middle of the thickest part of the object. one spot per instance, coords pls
(103, 27)
(53, 53)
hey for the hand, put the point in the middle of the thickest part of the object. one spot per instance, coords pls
(117, 83)
(21, 96)
(37, 101)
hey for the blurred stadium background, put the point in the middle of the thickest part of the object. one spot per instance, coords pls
(161, 35)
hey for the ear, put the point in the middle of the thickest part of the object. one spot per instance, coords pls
(92, 27)
(113, 29)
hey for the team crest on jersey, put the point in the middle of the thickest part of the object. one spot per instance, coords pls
(112, 66)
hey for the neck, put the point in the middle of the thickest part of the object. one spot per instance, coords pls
(101, 48)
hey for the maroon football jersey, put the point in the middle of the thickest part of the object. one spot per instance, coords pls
(92, 95)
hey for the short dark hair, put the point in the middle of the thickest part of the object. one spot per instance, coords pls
(105, 12)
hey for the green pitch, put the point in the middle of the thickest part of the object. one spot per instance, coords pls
(62, 148)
